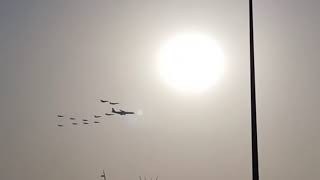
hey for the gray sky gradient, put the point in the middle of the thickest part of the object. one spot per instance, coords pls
(61, 56)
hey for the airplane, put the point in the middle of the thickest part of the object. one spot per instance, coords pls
(85, 123)
(112, 103)
(60, 116)
(72, 118)
(60, 125)
(103, 175)
(84, 119)
(95, 116)
(121, 112)
(74, 123)
(96, 122)
(107, 114)
(103, 101)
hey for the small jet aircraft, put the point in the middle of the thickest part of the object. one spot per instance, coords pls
(103, 175)
(74, 123)
(113, 103)
(109, 114)
(121, 112)
(60, 125)
(85, 123)
(60, 116)
(84, 119)
(72, 118)
(96, 122)
(103, 101)
(95, 116)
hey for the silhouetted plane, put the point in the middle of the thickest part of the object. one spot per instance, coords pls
(60, 125)
(60, 116)
(112, 103)
(74, 123)
(121, 112)
(107, 114)
(84, 119)
(103, 175)
(95, 116)
(72, 118)
(103, 101)
(85, 123)
(96, 122)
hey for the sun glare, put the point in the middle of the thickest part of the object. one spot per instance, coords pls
(191, 62)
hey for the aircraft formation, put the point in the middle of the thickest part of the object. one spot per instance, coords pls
(76, 121)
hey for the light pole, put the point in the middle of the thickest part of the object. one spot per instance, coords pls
(254, 135)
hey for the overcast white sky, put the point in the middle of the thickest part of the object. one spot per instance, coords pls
(60, 57)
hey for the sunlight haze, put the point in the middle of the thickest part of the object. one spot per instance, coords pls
(62, 57)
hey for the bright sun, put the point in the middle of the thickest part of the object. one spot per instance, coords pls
(191, 62)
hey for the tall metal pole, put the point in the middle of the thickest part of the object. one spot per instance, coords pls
(254, 134)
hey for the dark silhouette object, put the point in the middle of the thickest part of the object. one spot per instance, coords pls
(103, 101)
(109, 114)
(74, 123)
(85, 123)
(95, 116)
(96, 122)
(72, 118)
(60, 125)
(103, 175)
(121, 112)
(60, 116)
(112, 103)
(254, 133)
(85, 120)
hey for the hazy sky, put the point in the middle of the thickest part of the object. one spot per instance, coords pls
(60, 57)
